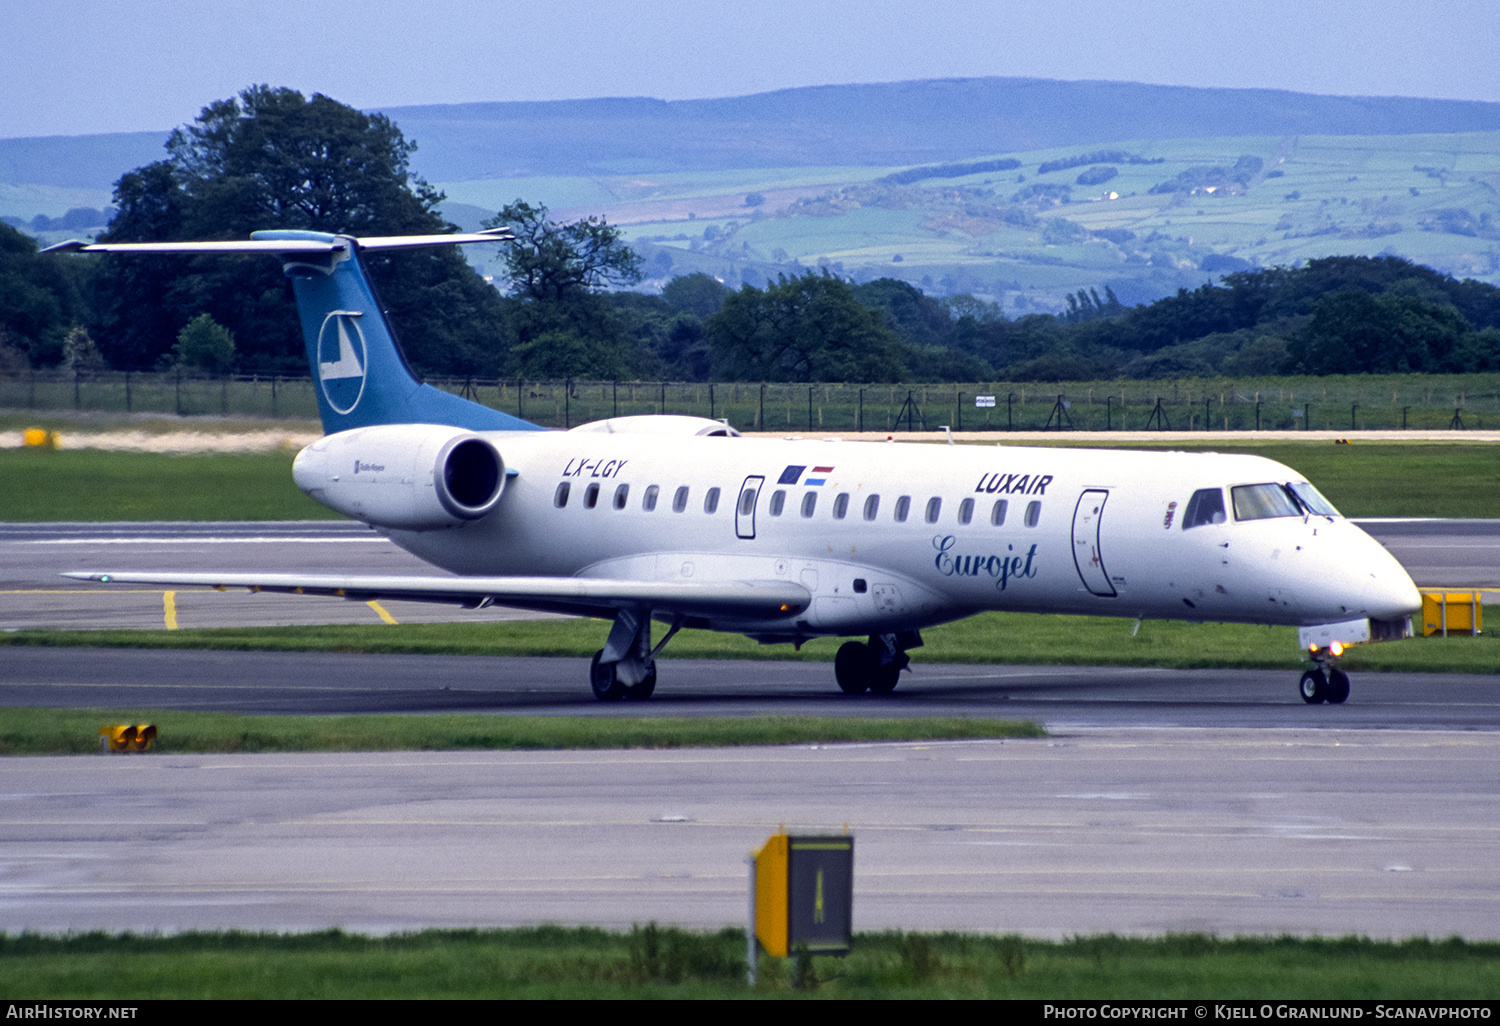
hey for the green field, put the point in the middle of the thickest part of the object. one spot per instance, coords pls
(88, 484)
(653, 962)
(1423, 197)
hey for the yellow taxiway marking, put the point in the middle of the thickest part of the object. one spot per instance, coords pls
(169, 609)
(78, 591)
(380, 611)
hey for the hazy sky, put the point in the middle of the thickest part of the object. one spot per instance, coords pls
(76, 66)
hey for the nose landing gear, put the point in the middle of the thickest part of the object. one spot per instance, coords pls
(1327, 683)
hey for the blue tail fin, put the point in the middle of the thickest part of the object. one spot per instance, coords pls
(362, 376)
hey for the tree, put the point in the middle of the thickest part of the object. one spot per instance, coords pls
(554, 271)
(40, 298)
(1353, 332)
(808, 328)
(551, 262)
(698, 294)
(204, 345)
(272, 158)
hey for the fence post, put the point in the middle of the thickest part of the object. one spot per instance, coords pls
(127, 391)
(179, 392)
(77, 377)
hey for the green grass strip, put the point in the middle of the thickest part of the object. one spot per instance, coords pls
(29, 731)
(91, 485)
(653, 962)
(1004, 638)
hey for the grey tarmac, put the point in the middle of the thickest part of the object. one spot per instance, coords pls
(1164, 800)
(1139, 831)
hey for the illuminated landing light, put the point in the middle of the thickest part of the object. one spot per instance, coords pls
(1336, 648)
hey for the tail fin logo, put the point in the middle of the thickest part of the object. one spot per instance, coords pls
(342, 359)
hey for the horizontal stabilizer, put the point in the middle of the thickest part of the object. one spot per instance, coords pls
(585, 596)
(328, 244)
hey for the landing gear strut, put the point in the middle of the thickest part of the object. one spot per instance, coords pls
(874, 666)
(626, 666)
(1327, 683)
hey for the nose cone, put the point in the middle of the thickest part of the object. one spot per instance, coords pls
(1380, 587)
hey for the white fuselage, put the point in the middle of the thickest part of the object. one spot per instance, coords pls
(1087, 531)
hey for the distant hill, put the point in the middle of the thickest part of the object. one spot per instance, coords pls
(77, 161)
(1032, 189)
(885, 124)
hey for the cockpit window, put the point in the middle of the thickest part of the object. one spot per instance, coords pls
(1262, 501)
(1312, 499)
(1205, 507)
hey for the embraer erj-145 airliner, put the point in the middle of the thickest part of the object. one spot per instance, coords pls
(679, 520)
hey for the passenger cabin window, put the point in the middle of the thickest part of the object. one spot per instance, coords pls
(778, 501)
(809, 503)
(679, 500)
(966, 511)
(1263, 501)
(841, 506)
(1033, 514)
(648, 501)
(1205, 507)
(997, 512)
(934, 507)
(872, 507)
(622, 493)
(591, 496)
(747, 502)
(560, 498)
(711, 501)
(903, 507)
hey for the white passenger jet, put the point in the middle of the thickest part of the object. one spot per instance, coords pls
(682, 521)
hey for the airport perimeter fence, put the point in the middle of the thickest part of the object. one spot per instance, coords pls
(1351, 403)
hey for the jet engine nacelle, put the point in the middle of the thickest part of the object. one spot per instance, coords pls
(404, 476)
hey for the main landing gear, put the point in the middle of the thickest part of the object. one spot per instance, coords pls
(626, 666)
(1327, 683)
(876, 666)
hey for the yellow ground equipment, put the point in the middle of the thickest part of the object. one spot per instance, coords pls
(1451, 612)
(125, 738)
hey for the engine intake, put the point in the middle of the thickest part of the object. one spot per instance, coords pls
(404, 476)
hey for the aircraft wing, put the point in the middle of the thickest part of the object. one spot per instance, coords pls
(584, 596)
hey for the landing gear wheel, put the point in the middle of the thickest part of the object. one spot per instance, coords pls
(883, 679)
(853, 667)
(1314, 687)
(602, 679)
(1338, 687)
(642, 691)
